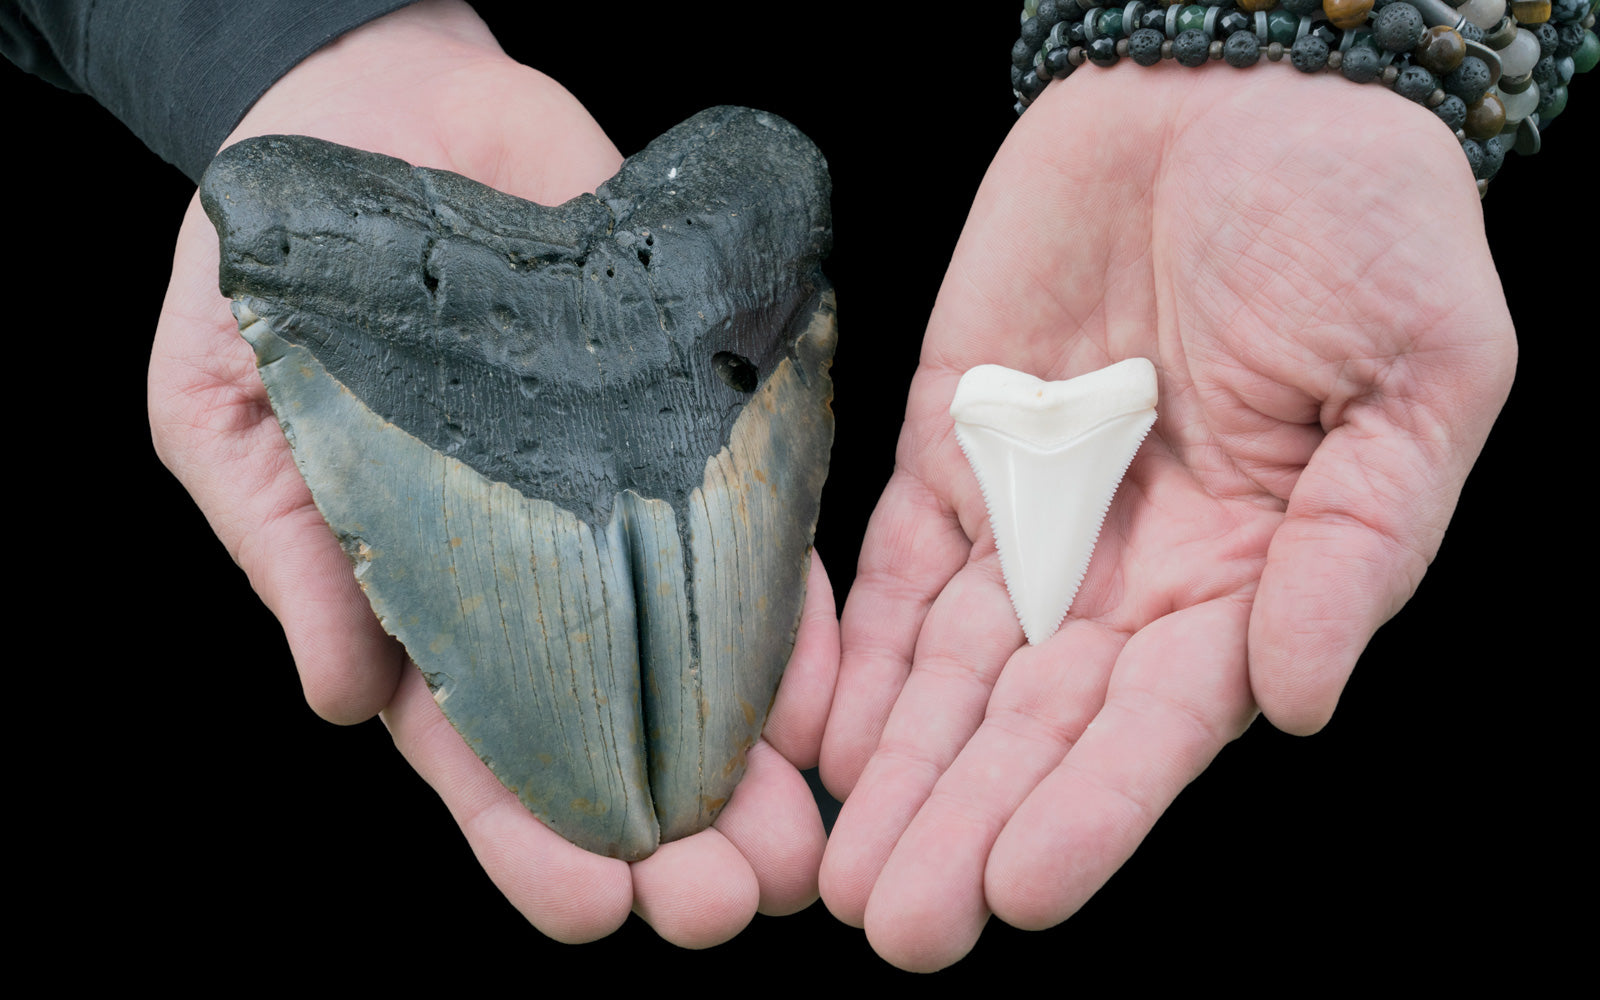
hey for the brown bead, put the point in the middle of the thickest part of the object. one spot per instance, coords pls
(1254, 5)
(1530, 11)
(1441, 50)
(1486, 118)
(1347, 13)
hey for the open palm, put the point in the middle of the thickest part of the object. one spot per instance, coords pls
(1310, 277)
(429, 84)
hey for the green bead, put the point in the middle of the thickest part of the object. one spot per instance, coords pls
(1282, 26)
(1110, 24)
(1587, 54)
(1192, 17)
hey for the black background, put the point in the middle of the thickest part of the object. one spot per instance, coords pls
(177, 808)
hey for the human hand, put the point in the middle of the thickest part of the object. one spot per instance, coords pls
(1311, 279)
(430, 85)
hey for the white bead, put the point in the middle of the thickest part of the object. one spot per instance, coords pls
(1484, 13)
(1520, 106)
(1518, 58)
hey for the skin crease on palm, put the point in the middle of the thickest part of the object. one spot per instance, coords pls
(410, 85)
(1325, 387)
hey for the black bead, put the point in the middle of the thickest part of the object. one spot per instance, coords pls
(1303, 8)
(1568, 37)
(1033, 32)
(1474, 156)
(1494, 155)
(1102, 51)
(1549, 100)
(1453, 112)
(1144, 46)
(1058, 61)
(1154, 17)
(1471, 32)
(1050, 12)
(1031, 86)
(1545, 73)
(1310, 55)
(1415, 84)
(1191, 48)
(1398, 27)
(1328, 33)
(1361, 64)
(1241, 49)
(1548, 38)
(1016, 76)
(1469, 81)
(1022, 55)
(1235, 20)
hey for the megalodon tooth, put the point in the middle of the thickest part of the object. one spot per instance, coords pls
(575, 453)
(1049, 457)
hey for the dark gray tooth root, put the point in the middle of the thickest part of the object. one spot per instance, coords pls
(574, 453)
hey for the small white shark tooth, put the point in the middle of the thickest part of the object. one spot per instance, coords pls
(1049, 457)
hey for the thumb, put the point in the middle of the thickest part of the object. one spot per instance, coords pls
(1365, 519)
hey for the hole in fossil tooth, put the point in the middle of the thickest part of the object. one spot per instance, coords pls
(739, 373)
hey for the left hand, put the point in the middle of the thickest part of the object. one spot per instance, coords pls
(1310, 277)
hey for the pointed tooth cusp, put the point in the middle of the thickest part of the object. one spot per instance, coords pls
(1049, 457)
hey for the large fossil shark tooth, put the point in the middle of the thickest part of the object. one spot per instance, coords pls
(1049, 457)
(574, 453)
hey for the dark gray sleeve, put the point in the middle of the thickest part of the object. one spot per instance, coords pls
(179, 73)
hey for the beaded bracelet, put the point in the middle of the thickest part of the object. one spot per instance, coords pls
(1495, 77)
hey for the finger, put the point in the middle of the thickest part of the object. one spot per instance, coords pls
(1176, 697)
(213, 427)
(800, 709)
(773, 821)
(563, 890)
(965, 641)
(696, 892)
(928, 906)
(349, 667)
(913, 546)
